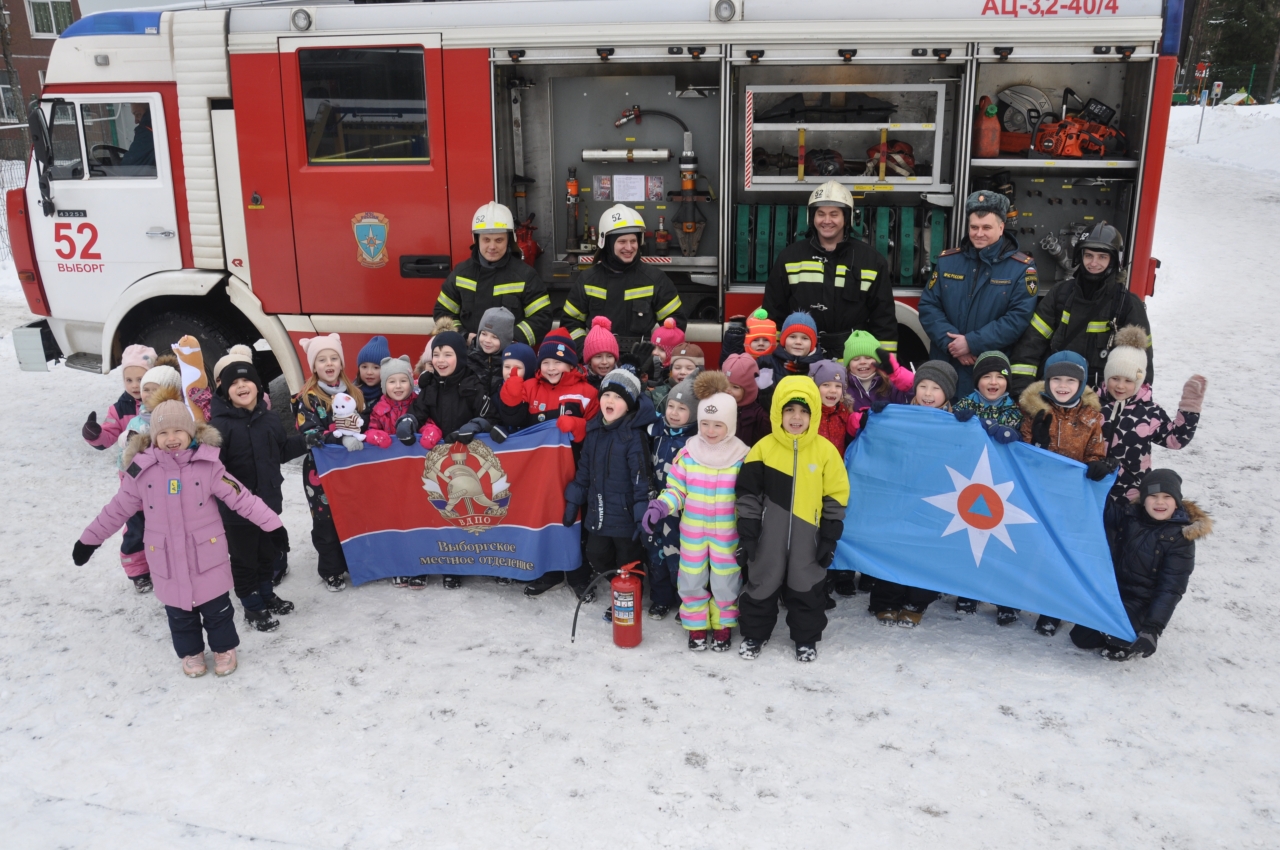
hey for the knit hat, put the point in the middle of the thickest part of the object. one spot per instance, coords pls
(800, 323)
(862, 344)
(172, 414)
(667, 337)
(986, 201)
(991, 361)
(233, 370)
(1065, 364)
(164, 376)
(687, 351)
(450, 339)
(1156, 481)
(240, 353)
(741, 369)
(600, 339)
(683, 393)
(827, 370)
(523, 353)
(623, 383)
(395, 366)
(316, 344)
(1128, 358)
(760, 326)
(715, 403)
(138, 355)
(558, 348)
(940, 372)
(374, 351)
(499, 322)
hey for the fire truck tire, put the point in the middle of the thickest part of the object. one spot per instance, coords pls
(163, 330)
(911, 351)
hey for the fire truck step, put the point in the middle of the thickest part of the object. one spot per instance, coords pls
(85, 362)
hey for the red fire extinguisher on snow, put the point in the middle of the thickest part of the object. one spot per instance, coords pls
(627, 598)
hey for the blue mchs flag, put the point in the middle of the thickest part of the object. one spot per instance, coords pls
(935, 503)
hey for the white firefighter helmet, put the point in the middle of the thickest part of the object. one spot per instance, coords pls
(620, 219)
(831, 194)
(493, 217)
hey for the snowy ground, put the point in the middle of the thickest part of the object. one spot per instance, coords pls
(384, 718)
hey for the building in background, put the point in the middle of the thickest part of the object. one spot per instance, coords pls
(32, 25)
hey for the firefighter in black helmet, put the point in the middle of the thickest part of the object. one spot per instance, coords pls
(1082, 313)
(841, 281)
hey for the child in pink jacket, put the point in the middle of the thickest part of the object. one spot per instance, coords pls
(174, 475)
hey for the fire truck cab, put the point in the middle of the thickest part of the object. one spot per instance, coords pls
(264, 173)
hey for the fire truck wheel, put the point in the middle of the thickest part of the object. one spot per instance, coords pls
(162, 331)
(911, 351)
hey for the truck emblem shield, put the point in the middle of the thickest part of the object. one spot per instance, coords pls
(371, 230)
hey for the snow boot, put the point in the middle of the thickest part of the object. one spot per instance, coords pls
(698, 640)
(416, 582)
(279, 606)
(452, 582)
(335, 584)
(750, 648)
(142, 583)
(224, 663)
(501, 581)
(806, 652)
(1047, 626)
(399, 581)
(194, 667)
(887, 618)
(579, 581)
(720, 640)
(844, 583)
(909, 617)
(543, 583)
(966, 606)
(1118, 653)
(1006, 616)
(659, 612)
(831, 603)
(261, 620)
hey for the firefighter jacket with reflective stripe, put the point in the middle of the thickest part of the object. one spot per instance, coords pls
(471, 288)
(1066, 321)
(845, 290)
(635, 301)
(986, 295)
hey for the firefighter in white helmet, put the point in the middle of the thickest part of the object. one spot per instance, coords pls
(635, 297)
(842, 282)
(495, 276)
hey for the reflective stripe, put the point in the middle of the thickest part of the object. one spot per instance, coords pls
(1024, 369)
(577, 333)
(841, 271)
(804, 277)
(574, 311)
(672, 306)
(596, 291)
(1148, 340)
(464, 283)
(527, 331)
(805, 271)
(1040, 325)
(1097, 327)
(889, 345)
(537, 304)
(639, 292)
(448, 303)
(868, 277)
(509, 288)
(1066, 317)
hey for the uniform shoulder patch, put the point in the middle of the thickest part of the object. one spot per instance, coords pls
(1032, 280)
(1025, 259)
(949, 252)
(133, 470)
(232, 483)
(933, 280)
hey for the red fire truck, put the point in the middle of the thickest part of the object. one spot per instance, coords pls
(265, 173)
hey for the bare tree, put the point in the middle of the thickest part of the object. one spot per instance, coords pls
(15, 84)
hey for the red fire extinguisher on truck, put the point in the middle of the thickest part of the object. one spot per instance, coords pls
(626, 590)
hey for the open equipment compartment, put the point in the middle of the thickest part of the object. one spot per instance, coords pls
(1058, 198)
(802, 115)
(557, 109)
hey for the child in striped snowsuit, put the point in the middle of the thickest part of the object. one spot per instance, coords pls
(701, 486)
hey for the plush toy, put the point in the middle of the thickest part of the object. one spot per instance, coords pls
(346, 421)
(195, 385)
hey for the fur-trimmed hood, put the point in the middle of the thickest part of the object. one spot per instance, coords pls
(1195, 522)
(206, 435)
(1032, 402)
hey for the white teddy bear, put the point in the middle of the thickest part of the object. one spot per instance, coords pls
(346, 421)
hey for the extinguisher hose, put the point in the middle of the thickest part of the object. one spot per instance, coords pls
(573, 633)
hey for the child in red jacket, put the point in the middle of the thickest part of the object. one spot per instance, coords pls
(559, 392)
(839, 423)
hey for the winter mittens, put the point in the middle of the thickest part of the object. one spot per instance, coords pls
(1193, 394)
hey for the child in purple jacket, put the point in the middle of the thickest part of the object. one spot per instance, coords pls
(174, 475)
(874, 374)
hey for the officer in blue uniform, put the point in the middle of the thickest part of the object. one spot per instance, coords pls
(982, 294)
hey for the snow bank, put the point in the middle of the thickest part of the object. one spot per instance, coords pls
(1238, 136)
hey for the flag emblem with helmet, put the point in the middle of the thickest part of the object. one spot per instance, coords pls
(371, 231)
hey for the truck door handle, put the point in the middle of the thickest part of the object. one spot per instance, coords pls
(167, 234)
(425, 265)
